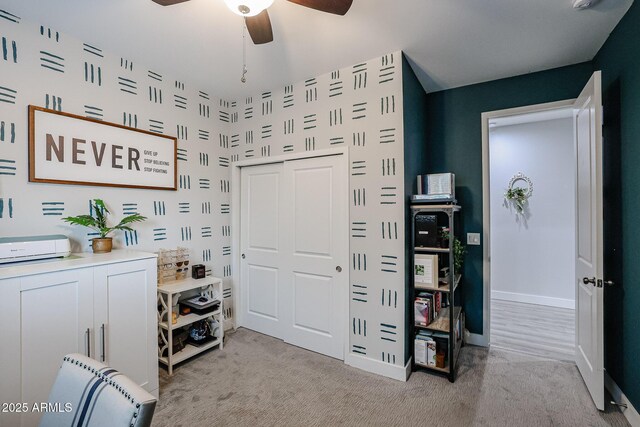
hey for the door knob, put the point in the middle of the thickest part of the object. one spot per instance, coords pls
(586, 280)
(339, 269)
(609, 282)
(243, 256)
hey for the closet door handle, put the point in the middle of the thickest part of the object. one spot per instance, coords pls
(88, 334)
(102, 357)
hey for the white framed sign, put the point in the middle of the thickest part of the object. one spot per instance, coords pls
(426, 270)
(69, 149)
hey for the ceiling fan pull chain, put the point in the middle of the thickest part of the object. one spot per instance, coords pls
(244, 53)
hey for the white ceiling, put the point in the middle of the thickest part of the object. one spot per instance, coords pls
(450, 43)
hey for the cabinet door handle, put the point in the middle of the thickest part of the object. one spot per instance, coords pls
(102, 357)
(88, 334)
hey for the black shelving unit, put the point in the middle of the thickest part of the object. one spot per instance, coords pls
(451, 316)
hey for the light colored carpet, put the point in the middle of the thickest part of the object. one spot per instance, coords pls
(261, 381)
(533, 329)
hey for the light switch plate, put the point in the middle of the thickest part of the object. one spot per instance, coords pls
(473, 239)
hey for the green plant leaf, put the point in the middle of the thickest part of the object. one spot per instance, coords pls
(131, 219)
(84, 220)
(104, 232)
(98, 221)
(100, 204)
(101, 212)
(459, 250)
(518, 196)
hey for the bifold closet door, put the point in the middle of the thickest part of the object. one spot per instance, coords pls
(315, 254)
(260, 243)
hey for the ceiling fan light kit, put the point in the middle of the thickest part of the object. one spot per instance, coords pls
(582, 4)
(257, 18)
(248, 7)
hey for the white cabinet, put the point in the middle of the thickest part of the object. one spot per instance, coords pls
(103, 307)
(47, 317)
(125, 322)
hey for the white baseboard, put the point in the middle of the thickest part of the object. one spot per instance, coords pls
(534, 299)
(400, 373)
(630, 412)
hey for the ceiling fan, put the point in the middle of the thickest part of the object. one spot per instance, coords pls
(257, 18)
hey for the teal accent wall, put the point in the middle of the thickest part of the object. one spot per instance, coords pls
(454, 144)
(619, 60)
(415, 158)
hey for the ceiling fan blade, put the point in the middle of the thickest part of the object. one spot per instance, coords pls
(337, 7)
(259, 27)
(168, 2)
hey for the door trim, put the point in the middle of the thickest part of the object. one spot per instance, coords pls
(484, 338)
(235, 224)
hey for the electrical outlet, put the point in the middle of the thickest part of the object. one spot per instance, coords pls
(473, 239)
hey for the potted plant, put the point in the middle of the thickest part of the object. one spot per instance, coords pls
(98, 222)
(459, 250)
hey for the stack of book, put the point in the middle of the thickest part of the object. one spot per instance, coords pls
(427, 307)
(427, 346)
(425, 349)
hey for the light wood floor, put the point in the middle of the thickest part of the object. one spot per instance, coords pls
(533, 329)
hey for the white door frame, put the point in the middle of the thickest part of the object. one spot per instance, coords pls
(484, 338)
(237, 299)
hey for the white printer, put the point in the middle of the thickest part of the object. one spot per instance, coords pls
(14, 249)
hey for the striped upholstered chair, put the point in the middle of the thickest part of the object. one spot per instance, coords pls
(97, 396)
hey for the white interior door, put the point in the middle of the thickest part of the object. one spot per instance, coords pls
(260, 243)
(315, 254)
(589, 292)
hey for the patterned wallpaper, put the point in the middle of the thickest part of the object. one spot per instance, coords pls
(359, 107)
(41, 66)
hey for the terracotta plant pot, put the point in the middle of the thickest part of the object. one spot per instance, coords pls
(102, 246)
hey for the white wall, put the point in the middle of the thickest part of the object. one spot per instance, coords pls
(360, 107)
(196, 216)
(532, 256)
